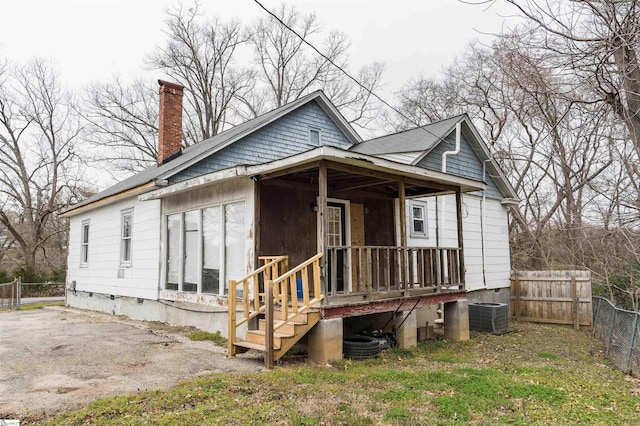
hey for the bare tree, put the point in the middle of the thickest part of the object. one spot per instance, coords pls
(200, 55)
(123, 123)
(288, 68)
(595, 43)
(38, 134)
(551, 147)
(473, 84)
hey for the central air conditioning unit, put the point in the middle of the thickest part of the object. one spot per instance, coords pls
(489, 317)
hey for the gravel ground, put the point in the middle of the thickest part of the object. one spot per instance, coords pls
(59, 359)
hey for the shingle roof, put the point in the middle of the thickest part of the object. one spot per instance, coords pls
(412, 145)
(416, 140)
(209, 146)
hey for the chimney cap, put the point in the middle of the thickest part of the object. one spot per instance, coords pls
(169, 85)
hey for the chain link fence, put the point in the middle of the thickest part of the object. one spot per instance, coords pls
(10, 294)
(619, 331)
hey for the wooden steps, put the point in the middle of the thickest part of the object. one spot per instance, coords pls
(284, 337)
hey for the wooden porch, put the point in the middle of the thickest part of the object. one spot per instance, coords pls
(279, 306)
(345, 226)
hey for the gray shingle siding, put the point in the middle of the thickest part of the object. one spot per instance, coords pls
(284, 137)
(465, 164)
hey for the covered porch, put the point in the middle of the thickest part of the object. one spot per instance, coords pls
(331, 245)
(356, 217)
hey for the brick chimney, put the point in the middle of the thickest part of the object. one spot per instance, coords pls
(170, 125)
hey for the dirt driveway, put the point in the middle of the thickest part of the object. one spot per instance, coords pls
(58, 359)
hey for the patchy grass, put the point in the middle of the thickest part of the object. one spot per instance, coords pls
(548, 355)
(539, 374)
(213, 337)
(34, 306)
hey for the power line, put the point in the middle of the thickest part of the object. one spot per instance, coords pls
(400, 113)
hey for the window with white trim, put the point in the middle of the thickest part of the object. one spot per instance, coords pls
(314, 137)
(126, 232)
(206, 248)
(418, 212)
(84, 243)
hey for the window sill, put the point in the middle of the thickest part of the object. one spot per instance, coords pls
(422, 236)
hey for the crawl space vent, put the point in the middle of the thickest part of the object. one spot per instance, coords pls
(490, 317)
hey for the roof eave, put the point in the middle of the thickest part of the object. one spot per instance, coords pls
(367, 162)
(83, 208)
(313, 156)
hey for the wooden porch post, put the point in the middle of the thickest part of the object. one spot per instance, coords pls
(256, 225)
(268, 322)
(460, 239)
(322, 223)
(404, 261)
(403, 214)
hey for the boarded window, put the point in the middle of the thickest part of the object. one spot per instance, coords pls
(314, 137)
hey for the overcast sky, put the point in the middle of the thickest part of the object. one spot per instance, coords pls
(93, 40)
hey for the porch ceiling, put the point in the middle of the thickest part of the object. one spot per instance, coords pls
(350, 179)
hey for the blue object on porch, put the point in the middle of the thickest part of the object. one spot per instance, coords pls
(299, 287)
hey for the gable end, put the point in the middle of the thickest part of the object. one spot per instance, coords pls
(465, 164)
(282, 138)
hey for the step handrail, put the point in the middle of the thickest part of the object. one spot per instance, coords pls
(286, 285)
(269, 270)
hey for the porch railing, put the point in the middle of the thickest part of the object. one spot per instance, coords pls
(250, 291)
(370, 270)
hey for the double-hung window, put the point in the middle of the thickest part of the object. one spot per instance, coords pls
(126, 232)
(418, 213)
(84, 243)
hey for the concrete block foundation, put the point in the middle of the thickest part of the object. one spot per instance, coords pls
(325, 341)
(407, 334)
(207, 318)
(456, 320)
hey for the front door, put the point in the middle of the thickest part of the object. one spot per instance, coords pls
(337, 236)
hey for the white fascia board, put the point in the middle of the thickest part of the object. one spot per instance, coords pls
(208, 179)
(510, 202)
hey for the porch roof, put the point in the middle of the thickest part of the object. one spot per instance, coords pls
(309, 160)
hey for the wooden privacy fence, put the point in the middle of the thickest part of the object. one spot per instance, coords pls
(558, 297)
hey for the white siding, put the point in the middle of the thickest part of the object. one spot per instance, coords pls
(498, 262)
(103, 273)
(497, 259)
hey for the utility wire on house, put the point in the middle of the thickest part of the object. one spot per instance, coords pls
(400, 113)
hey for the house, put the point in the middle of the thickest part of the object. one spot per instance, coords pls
(341, 233)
